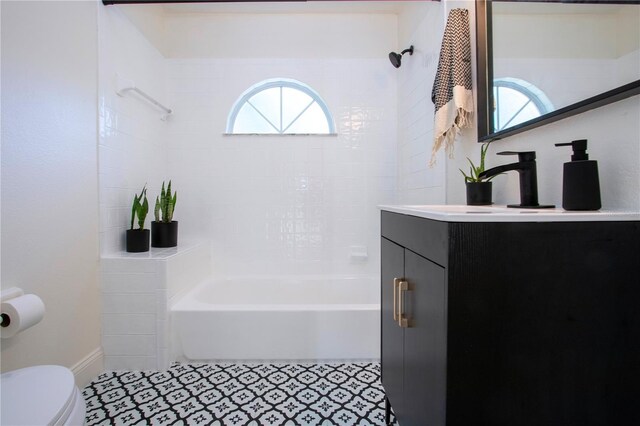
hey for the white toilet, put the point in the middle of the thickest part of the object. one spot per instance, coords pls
(41, 395)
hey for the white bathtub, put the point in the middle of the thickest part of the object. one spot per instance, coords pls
(279, 319)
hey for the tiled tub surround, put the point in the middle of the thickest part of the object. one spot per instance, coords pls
(132, 147)
(292, 204)
(279, 318)
(136, 293)
(421, 25)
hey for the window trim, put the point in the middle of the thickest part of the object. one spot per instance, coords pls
(279, 82)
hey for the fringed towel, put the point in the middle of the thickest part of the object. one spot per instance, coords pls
(451, 92)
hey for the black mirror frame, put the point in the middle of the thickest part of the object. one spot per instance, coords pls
(485, 76)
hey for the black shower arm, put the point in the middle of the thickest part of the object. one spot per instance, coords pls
(410, 50)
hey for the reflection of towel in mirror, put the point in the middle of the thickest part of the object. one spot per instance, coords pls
(451, 94)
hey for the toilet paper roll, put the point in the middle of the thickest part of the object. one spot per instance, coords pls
(21, 313)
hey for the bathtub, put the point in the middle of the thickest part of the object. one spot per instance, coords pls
(278, 319)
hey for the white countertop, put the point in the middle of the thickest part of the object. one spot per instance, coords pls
(497, 213)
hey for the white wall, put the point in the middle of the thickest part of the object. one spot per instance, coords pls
(283, 205)
(246, 35)
(49, 177)
(613, 133)
(275, 205)
(132, 144)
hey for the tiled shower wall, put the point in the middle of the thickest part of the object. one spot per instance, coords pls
(422, 25)
(132, 150)
(283, 205)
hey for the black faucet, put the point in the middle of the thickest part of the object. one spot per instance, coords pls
(526, 168)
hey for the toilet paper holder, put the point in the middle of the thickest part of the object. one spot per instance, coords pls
(19, 311)
(10, 293)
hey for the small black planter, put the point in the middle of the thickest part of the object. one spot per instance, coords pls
(137, 240)
(478, 193)
(164, 234)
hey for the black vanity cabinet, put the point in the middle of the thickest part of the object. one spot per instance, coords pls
(504, 323)
(413, 331)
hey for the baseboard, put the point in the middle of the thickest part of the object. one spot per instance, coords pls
(88, 368)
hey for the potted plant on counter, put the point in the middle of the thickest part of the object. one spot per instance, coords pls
(164, 230)
(478, 188)
(138, 239)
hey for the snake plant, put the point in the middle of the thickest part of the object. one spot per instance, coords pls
(140, 208)
(474, 171)
(165, 203)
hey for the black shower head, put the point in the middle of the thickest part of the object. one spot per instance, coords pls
(396, 58)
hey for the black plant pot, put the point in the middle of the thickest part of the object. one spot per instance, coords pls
(137, 240)
(164, 234)
(478, 193)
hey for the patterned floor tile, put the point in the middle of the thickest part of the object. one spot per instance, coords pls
(277, 394)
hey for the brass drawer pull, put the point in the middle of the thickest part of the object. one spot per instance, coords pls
(395, 298)
(402, 320)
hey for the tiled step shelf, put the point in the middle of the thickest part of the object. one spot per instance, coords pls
(136, 290)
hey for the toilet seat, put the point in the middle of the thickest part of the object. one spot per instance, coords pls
(75, 412)
(41, 395)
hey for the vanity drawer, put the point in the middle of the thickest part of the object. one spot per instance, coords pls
(428, 238)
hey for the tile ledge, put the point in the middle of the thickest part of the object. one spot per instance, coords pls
(156, 253)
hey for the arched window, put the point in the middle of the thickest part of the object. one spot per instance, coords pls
(280, 106)
(517, 101)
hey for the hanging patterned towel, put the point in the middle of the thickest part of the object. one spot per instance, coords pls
(451, 94)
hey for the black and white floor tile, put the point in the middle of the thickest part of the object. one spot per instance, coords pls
(239, 394)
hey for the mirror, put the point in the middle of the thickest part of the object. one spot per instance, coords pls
(541, 61)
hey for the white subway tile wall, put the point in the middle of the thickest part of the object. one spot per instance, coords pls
(132, 138)
(418, 183)
(267, 204)
(284, 204)
(129, 312)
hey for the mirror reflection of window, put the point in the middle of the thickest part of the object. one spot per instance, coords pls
(516, 101)
(581, 54)
(571, 50)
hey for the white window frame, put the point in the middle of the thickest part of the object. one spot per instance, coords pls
(279, 82)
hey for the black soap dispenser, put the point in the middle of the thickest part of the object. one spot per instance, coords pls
(581, 185)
